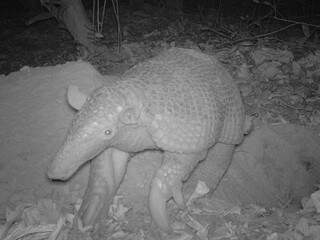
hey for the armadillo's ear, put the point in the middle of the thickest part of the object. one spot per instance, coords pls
(75, 97)
(129, 115)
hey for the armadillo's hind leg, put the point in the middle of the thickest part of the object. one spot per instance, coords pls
(167, 183)
(213, 169)
(106, 173)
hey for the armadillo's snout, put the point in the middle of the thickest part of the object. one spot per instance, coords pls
(54, 174)
(70, 157)
(63, 165)
(56, 171)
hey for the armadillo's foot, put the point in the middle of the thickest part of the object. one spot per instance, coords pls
(161, 191)
(167, 183)
(105, 177)
(91, 207)
(99, 189)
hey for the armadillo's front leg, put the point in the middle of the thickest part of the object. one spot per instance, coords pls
(167, 183)
(106, 173)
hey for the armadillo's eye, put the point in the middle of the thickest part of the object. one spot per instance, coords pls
(108, 132)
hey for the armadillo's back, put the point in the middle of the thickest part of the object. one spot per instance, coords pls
(191, 99)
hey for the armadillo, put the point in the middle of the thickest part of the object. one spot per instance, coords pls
(181, 102)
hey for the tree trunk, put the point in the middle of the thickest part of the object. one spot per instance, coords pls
(74, 17)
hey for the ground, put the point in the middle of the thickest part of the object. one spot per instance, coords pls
(275, 168)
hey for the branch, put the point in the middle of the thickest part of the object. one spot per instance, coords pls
(296, 22)
(257, 36)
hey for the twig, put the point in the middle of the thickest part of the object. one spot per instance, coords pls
(103, 13)
(257, 36)
(98, 15)
(296, 22)
(115, 6)
(93, 11)
(215, 31)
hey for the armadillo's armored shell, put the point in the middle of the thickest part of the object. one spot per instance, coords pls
(190, 99)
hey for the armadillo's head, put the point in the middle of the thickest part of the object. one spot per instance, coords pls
(93, 129)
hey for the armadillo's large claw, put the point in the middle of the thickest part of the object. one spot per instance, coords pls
(160, 193)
